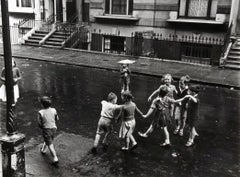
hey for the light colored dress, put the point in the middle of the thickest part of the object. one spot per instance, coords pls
(128, 120)
(3, 94)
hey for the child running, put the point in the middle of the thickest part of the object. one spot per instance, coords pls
(128, 121)
(167, 79)
(106, 119)
(161, 104)
(192, 112)
(47, 118)
(180, 109)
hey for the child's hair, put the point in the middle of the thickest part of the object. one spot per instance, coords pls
(111, 96)
(14, 62)
(167, 76)
(194, 88)
(185, 79)
(45, 101)
(163, 91)
(127, 96)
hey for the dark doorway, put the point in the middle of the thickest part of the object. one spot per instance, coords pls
(71, 10)
(85, 11)
(59, 10)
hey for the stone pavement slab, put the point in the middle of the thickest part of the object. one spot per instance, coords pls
(149, 66)
(70, 148)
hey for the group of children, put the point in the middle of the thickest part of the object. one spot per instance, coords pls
(168, 102)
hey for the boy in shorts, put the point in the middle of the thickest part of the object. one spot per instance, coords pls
(106, 119)
(47, 118)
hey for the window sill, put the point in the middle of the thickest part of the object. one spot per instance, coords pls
(198, 21)
(26, 10)
(117, 17)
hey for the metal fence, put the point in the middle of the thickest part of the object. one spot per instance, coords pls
(15, 34)
(193, 49)
(201, 50)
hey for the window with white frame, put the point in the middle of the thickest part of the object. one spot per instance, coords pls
(119, 7)
(205, 9)
(24, 3)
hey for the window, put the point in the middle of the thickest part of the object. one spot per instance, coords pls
(205, 9)
(114, 44)
(119, 7)
(24, 3)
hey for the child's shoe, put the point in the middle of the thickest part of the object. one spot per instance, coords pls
(165, 144)
(124, 149)
(181, 132)
(55, 161)
(176, 131)
(43, 149)
(189, 143)
(134, 146)
(142, 135)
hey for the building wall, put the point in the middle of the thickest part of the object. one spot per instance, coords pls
(153, 16)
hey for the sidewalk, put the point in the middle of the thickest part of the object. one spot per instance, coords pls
(155, 67)
(71, 149)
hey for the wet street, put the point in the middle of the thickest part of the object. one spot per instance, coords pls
(76, 94)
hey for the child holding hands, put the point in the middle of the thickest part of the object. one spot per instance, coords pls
(161, 105)
(128, 120)
(192, 112)
(105, 122)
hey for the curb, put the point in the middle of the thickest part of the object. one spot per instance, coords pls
(135, 72)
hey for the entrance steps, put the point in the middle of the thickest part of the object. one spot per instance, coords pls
(36, 37)
(233, 59)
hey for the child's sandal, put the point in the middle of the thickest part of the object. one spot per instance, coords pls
(176, 131)
(189, 143)
(181, 132)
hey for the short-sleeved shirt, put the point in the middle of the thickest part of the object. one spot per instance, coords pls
(171, 89)
(161, 104)
(108, 109)
(48, 118)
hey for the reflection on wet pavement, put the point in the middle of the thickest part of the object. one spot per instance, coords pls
(77, 92)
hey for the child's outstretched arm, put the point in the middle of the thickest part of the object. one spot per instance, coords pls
(153, 94)
(118, 117)
(150, 111)
(138, 110)
(192, 98)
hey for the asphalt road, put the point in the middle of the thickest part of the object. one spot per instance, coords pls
(76, 93)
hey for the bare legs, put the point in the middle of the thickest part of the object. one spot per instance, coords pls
(192, 135)
(52, 151)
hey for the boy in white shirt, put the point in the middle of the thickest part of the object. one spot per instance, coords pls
(105, 122)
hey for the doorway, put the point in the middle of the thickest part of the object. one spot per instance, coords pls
(71, 10)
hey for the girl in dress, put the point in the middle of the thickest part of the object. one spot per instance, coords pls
(161, 106)
(167, 79)
(180, 109)
(128, 120)
(16, 78)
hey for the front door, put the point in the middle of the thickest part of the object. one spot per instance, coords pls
(71, 10)
(59, 10)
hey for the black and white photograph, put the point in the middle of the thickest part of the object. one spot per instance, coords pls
(119, 88)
